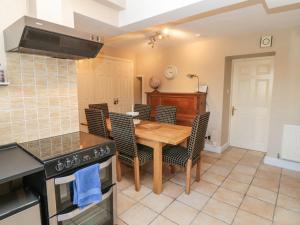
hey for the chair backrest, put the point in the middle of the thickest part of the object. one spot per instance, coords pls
(102, 106)
(166, 114)
(96, 122)
(144, 111)
(123, 133)
(197, 138)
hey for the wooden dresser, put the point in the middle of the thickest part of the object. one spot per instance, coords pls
(188, 104)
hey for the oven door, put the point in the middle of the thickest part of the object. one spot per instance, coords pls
(60, 189)
(103, 213)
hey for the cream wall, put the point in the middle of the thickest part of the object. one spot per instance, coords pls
(207, 58)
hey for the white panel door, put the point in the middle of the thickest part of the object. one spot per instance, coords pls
(252, 81)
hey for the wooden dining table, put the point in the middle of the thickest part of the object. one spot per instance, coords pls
(156, 135)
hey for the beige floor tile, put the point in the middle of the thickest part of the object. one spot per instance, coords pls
(124, 203)
(290, 181)
(291, 173)
(136, 195)
(180, 177)
(138, 215)
(258, 207)
(208, 159)
(219, 170)
(172, 190)
(160, 220)
(180, 213)
(220, 210)
(194, 199)
(288, 203)
(245, 169)
(211, 154)
(120, 222)
(147, 180)
(262, 194)
(270, 184)
(231, 158)
(125, 183)
(289, 191)
(226, 164)
(268, 168)
(286, 217)
(240, 177)
(245, 218)
(157, 202)
(204, 187)
(203, 219)
(230, 197)
(266, 174)
(213, 178)
(235, 186)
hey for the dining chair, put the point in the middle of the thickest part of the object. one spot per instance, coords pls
(166, 114)
(102, 106)
(96, 122)
(144, 111)
(188, 157)
(128, 151)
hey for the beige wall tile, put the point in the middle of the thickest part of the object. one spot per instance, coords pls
(32, 106)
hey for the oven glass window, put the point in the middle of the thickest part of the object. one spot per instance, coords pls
(100, 214)
(64, 192)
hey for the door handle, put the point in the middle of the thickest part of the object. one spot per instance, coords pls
(233, 110)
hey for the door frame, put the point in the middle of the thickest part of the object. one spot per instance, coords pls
(249, 57)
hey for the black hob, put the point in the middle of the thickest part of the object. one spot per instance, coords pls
(66, 152)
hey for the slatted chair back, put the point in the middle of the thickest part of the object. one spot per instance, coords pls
(102, 106)
(124, 134)
(96, 122)
(197, 138)
(144, 111)
(166, 114)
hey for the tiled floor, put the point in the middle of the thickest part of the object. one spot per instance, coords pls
(236, 188)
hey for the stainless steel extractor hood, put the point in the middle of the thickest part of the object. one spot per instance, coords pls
(34, 36)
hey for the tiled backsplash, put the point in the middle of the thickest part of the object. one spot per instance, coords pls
(41, 100)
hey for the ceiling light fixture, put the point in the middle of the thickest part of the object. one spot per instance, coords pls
(158, 36)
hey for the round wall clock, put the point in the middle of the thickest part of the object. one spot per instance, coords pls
(170, 72)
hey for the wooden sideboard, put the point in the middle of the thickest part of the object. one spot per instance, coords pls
(188, 104)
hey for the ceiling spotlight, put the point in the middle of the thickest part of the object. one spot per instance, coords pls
(166, 31)
(197, 35)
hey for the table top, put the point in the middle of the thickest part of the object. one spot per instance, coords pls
(160, 132)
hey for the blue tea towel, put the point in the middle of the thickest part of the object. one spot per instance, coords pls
(87, 186)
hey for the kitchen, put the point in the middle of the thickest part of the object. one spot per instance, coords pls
(136, 90)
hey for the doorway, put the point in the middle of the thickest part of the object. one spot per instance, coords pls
(251, 82)
(138, 89)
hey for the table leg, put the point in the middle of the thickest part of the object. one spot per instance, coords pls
(157, 168)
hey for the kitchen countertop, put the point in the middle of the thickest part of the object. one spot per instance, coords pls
(16, 163)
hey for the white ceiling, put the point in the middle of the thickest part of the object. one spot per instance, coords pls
(243, 21)
(252, 19)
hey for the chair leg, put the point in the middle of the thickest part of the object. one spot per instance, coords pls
(172, 169)
(137, 174)
(119, 172)
(198, 170)
(188, 176)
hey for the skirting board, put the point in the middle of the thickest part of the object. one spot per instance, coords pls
(217, 149)
(282, 163)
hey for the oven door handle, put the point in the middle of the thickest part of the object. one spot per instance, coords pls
(68, 179)
(76, 212)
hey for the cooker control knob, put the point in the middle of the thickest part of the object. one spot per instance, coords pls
(102, 152)
(76, 160)
(68, 163)
(96, 153)
(59, 166)
(107, 151)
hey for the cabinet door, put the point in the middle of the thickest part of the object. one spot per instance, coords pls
(28, 216)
